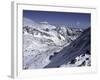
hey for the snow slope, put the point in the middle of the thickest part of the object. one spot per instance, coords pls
(75, 54)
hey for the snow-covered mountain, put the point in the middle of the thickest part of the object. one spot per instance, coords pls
(77, 53)
(42, 40)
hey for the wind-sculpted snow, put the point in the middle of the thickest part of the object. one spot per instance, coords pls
(42, 41)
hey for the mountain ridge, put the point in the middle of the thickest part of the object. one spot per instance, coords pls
(41, 41)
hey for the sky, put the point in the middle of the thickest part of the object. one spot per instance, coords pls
(82, 20)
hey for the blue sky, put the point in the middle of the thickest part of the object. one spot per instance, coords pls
(82, 20)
